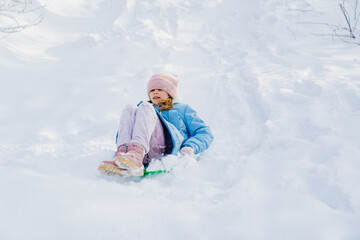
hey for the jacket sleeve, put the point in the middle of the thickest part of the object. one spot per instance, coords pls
(200, 136)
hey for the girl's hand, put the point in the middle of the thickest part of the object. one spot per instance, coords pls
(187, 151)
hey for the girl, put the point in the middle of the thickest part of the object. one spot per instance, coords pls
(156, 128)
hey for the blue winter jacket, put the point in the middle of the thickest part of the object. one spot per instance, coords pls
(184, 127)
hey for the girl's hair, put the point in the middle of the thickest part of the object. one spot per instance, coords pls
(167, 104)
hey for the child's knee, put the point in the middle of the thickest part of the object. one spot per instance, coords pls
(146, 106)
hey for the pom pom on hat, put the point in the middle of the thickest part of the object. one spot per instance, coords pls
(165, 82)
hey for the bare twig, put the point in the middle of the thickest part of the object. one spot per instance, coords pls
(356, 14)
(348, 31)
(342, 7)
(317, 23)
(16, 15)
(355, 10)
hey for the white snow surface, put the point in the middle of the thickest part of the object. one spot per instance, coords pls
(282, 100)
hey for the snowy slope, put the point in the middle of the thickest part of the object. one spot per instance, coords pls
(283, 104)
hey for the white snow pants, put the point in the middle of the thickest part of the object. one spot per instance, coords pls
(141, 125)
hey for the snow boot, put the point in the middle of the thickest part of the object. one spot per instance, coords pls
(132, 160)
(109, 168)
(122, 149)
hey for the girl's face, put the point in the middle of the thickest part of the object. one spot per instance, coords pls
(158, 95)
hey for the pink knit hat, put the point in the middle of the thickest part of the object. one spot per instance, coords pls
(165, 82)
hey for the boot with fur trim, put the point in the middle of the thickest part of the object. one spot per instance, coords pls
(122, 149)
(132, 160)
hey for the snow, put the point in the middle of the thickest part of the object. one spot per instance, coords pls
(282, 101)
